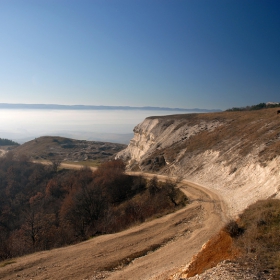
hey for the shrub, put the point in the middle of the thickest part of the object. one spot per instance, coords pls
(233, 229)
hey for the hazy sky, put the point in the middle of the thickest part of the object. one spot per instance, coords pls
(180, 53)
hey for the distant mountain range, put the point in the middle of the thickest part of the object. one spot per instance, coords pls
(92, 107)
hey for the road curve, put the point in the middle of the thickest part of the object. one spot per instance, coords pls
(152, 250)
(209, 213)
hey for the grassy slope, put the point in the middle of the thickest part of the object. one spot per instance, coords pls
(253, 128)
(251, 242)
(49, 147)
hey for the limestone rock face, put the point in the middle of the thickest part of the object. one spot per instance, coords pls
(234, 153)
(154, 135)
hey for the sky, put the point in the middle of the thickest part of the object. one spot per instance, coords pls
(211, 54)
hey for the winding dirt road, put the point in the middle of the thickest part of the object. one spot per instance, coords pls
(153, 250)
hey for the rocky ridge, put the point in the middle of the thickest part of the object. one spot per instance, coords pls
(234, 153)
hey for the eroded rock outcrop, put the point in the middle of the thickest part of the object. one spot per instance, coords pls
(235, 153)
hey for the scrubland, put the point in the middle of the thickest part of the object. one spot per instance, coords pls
(42, 207)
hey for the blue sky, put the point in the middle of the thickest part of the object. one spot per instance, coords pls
(181, 53)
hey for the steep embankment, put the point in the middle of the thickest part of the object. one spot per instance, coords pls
(235, 153)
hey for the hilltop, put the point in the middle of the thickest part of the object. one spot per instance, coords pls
(66, 149)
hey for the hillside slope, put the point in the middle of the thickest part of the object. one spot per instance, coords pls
(66, 149)
(235, 153)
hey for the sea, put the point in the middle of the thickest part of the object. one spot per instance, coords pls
(22, 125)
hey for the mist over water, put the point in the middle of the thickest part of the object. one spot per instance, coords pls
(101, 125)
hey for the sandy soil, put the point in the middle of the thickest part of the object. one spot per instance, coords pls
(73, 166)
(152, 250)
(64, 165)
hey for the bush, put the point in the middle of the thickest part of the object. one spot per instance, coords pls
(233, 229)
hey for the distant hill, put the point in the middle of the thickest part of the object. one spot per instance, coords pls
(85, 135)
(92, 107)
(66, 149)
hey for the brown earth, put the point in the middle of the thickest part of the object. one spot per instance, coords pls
(219, 248)
(152, 250)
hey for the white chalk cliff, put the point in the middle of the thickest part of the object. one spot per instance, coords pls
(235, 153)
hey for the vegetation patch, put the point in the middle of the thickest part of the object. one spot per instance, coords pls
(7, 262)
(260, 241)
(256, 107)
(65, 149)
(42, 207)
(7, 142)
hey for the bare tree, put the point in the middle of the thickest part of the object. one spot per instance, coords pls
(56, 161)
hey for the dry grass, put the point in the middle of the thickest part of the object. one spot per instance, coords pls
(7, 262)
(260, 242)
(51, 147)
(192, 118)
(253, 241)
(245, 130)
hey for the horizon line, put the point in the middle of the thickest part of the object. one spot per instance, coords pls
(96, 107)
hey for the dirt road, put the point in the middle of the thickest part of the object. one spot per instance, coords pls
(152, 250)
